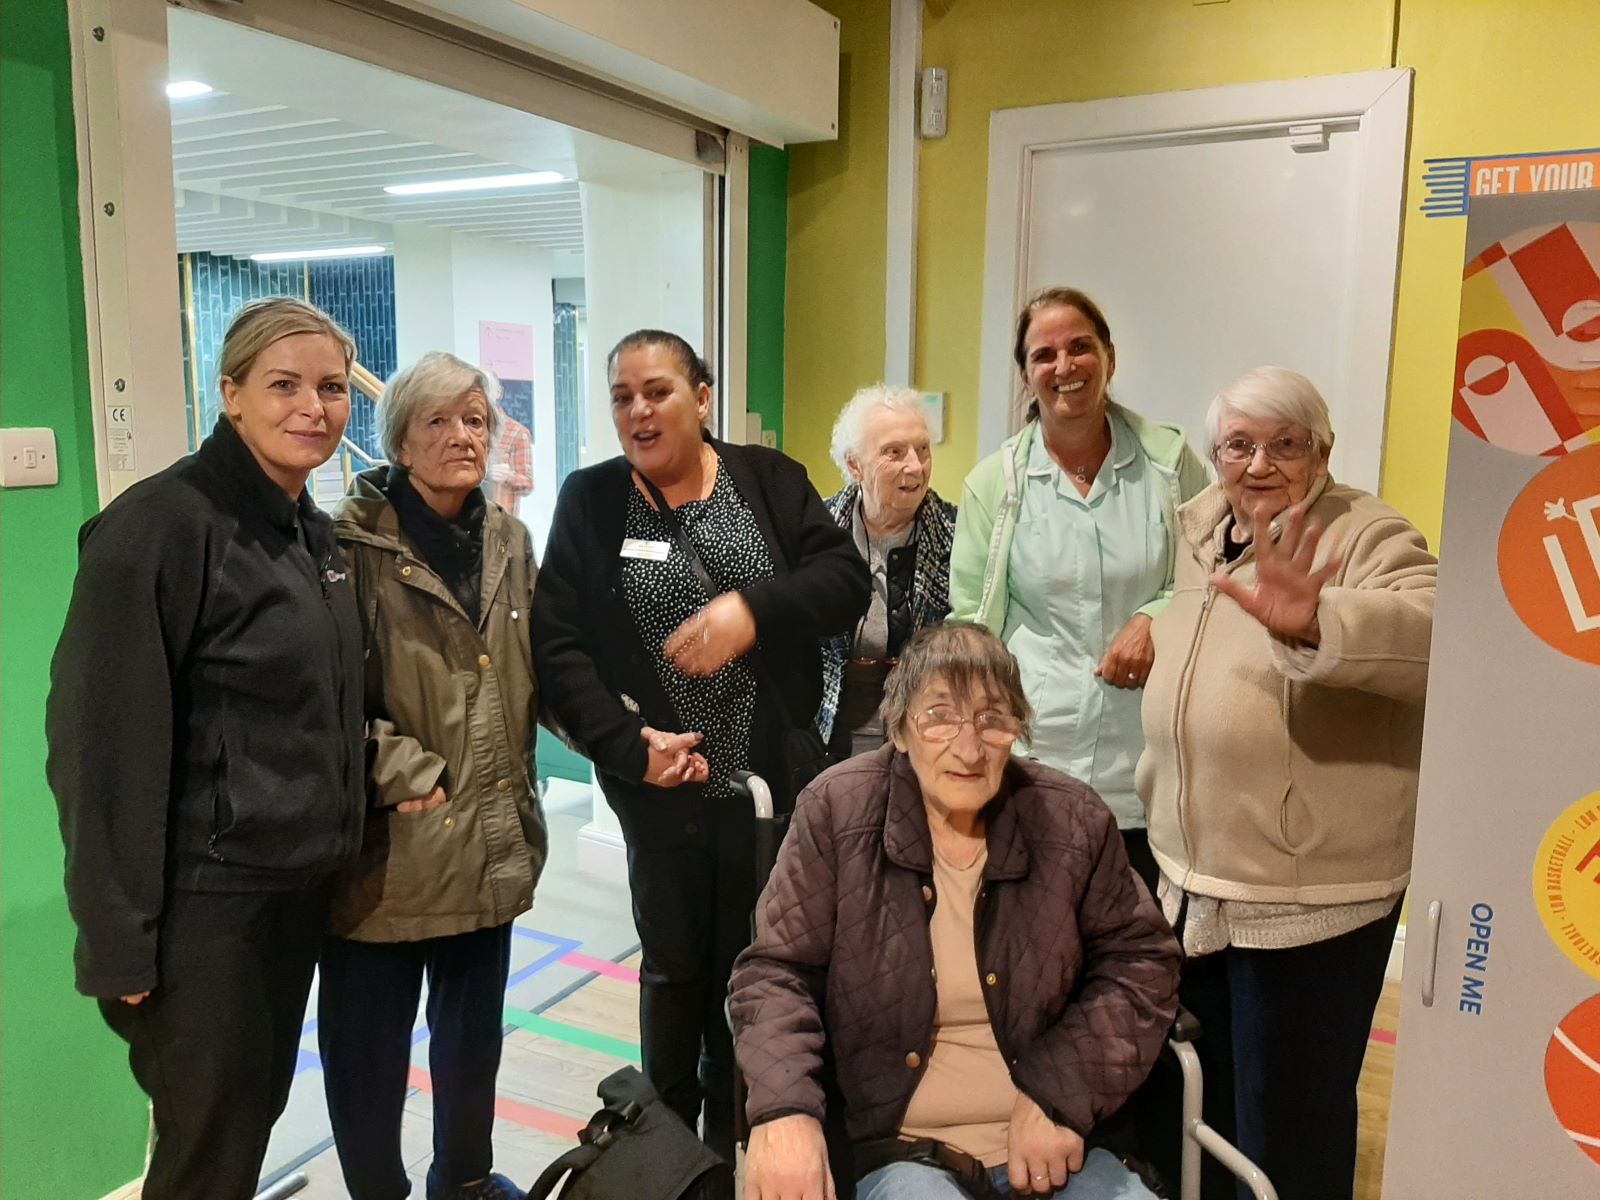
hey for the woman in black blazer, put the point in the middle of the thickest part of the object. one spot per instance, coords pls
(665, 688)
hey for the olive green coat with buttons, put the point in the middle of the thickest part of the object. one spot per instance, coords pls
(449, 704)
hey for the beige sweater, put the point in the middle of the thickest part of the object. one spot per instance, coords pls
(1278, 772)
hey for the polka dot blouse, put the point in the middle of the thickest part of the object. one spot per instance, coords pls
(663, 595)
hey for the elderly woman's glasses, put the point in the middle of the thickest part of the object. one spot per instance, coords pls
(1279, 449)
(943, 724)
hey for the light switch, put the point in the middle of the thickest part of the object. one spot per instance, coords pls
(28, 457)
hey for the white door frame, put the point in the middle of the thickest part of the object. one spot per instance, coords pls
(129, 235)
(1378, 102)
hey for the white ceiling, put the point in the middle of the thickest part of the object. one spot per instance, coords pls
(293, 148)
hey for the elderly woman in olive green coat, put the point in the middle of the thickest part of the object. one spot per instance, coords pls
(455, 838)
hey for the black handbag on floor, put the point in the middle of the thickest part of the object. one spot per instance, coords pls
(802, 753)
(635, 1148)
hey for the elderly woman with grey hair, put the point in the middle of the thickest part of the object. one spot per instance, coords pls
(903, 530)
(455, 839)
(1283, 728)
(958, 929)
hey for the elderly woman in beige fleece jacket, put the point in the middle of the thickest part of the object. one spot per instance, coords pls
(1283, 727)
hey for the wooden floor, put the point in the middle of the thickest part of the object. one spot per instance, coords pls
(1377, 1083)
(547, 1088)
(574, 1018)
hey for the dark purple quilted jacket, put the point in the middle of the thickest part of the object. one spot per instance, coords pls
(1081, 971)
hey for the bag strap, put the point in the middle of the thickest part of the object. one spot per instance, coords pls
(575, 1161)
(601, 1131)
(681, 536)
(686, 545)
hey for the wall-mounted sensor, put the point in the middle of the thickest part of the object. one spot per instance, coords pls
(935, 102)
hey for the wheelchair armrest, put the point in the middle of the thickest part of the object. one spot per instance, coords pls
(1185, 1027)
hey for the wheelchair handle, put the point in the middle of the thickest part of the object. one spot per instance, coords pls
(756, 787)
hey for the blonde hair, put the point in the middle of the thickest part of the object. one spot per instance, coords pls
(431, 382)
(262, 322)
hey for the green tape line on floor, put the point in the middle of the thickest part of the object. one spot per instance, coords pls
(573, 1036)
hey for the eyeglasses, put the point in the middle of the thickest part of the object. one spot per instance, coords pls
(943, 724)
(1279, 449)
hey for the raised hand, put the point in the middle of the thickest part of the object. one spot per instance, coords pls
(1288, 582)
(715, 636)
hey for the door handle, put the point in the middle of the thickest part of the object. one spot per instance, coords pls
(1430, 949)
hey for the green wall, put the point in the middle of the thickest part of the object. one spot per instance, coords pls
(767, 252)
(72, 1124)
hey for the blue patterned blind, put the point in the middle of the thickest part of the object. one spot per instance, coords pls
(569, 407)
(356, 292)
(359, 294)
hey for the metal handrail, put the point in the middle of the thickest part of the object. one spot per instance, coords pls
(367, 381)
(346, 446)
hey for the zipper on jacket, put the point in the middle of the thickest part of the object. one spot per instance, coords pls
(1185, 677)
(326, 575)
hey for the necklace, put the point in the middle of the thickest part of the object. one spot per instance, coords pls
(972, 859)
(1085, 470)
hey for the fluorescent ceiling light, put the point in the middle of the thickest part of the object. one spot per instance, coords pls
(331, 252)
(481, 184)
(187, 89)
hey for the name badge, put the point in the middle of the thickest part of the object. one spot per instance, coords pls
(640, 548)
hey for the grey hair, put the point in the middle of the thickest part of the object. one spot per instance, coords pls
(1273, 394)
(431, 382)
(852, 422)
(968, 658)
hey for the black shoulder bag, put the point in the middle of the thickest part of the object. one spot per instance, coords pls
(635, 1148)
(802, 753)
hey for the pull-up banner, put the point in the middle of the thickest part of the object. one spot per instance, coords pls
(1497, 1089)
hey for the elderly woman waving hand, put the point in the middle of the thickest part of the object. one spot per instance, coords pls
(1283, 724)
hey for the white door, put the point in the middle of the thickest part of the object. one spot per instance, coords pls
(1220, 230)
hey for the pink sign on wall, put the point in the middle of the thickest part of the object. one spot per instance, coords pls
(506, 349)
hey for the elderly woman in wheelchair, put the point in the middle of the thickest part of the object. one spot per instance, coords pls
(958, 933)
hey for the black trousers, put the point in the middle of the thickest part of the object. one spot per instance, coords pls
(693, 893)
(366, 1007)
(1283, 1037)
(214, 1045)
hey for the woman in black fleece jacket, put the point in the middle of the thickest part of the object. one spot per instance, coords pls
(669, 690)
(206, 730)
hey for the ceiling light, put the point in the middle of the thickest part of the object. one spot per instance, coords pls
(331, 252)
(187, 89)
(481, 184)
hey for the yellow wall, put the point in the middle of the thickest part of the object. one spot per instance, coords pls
(1493, 76)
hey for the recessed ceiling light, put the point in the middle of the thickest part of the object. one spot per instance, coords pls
(187, 89)
(481, 184)
(331, 252)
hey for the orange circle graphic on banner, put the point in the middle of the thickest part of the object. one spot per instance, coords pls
(1550, 555)
(1572, 1075)
(1566, 883)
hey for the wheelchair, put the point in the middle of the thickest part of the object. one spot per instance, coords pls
(1198, 1137)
